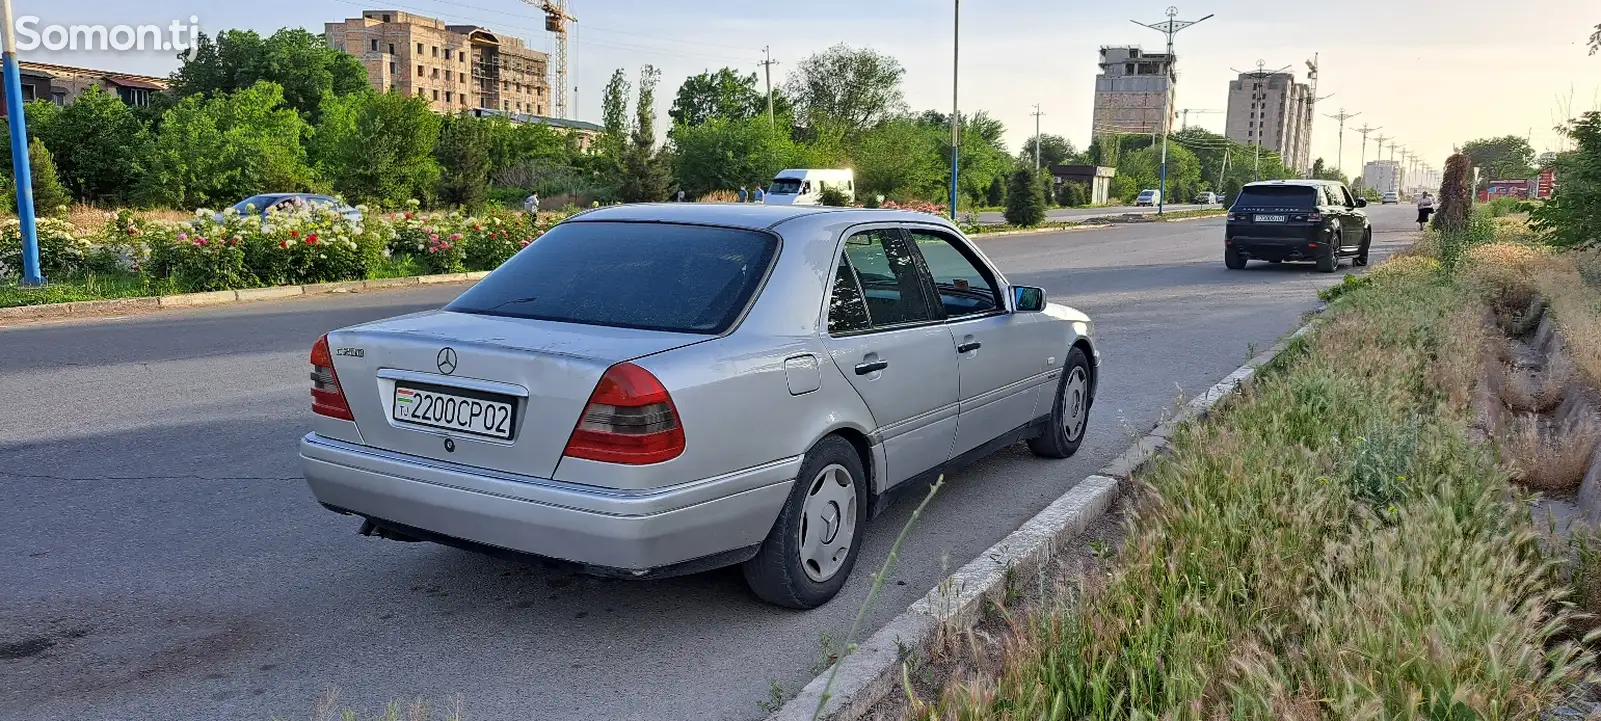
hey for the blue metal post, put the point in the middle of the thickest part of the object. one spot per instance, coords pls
(19, 156)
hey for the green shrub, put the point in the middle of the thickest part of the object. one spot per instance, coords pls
(1025, 199)
(833, 197)
(61, 251)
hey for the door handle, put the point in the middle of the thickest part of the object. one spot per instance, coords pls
(969, 347)
(863, 369)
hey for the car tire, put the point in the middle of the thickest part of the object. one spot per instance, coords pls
(829, 498)
(1232, 259)
(1329, 260)
(1361, 258)
(1070, 410)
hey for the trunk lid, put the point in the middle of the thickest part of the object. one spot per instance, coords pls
(544, 370)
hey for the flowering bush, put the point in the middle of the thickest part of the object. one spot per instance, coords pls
(920, 206)
(494, 239)
(61, 251)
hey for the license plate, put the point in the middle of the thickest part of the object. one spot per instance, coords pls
(1270, 218)
(482, 414)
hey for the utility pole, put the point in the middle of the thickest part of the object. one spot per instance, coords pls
(1259, 75)
(767, 67)
(1169, 28)
(1342, 116)
(1361, 163)
(1037, 113)
(1395, 177)
(956, 116)
(19, 155)
(1379, 153)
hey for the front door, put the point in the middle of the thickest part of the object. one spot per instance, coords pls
(1002, 357)
(887, 339)
(1352, 220)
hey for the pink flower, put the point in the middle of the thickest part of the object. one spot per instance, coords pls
(200, 241)
(183, 236)
(523, 244)
(434, 237)
(455, 236)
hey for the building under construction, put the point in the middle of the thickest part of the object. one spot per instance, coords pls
(1274, 111)
(454, 67)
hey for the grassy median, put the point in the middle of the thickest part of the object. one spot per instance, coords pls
(1332, 544)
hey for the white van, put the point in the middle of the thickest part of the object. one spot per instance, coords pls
(804, 186)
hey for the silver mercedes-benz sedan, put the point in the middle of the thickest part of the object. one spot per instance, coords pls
(650, 390)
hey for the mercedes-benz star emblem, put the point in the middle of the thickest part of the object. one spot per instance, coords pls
(447, 361)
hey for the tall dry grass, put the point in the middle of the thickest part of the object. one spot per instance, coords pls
(1551, 456)
(1329, 546)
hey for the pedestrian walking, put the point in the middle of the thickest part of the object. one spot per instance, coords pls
(1425, 209)
(680, 195)
(742, 194)
(531, 203)
(759, 195)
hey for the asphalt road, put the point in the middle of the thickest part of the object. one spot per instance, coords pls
(161, 558)
(992, 218)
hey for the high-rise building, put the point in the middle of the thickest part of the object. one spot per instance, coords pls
(1382, 175)
(454, 67)
(1274, 111)
(1132, 91)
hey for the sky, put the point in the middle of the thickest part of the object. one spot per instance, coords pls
(1430, 73)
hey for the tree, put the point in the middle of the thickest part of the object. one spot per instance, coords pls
(724, 94)
(645, 177)
(218, 150)
(857, 88)
(1456, 199)
(378, 147)
(463, 152)
(997, 192)
(1572, 217)
(1025, 198)
(899, 158)
(1595, 40)
(614, 111)
(1323, 172)
(49, 197)
(1507, 157)
(100, 147)
(721, 154)
(308, 70)
(1054, 150)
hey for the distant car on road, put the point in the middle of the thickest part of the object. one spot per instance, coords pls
(269, 202)
(1208, 198)
(1148, 198)
(1279, 220)
(1390, 198)
(652, 390)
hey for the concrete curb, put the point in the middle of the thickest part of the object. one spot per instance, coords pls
(121, 306)
(1039, 231)
(872, 671)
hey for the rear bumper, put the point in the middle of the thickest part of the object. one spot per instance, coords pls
(632, 532)
(1284, 246)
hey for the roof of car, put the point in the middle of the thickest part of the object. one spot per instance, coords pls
(734, 215)
(1296, 181)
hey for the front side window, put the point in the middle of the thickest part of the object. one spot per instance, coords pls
(889, 279)
(964, 286)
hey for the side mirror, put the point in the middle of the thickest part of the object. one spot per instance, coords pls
(1028, 299)
(1361, 202)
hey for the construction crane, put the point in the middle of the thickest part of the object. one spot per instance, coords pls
(556, 19)
(1186, 113)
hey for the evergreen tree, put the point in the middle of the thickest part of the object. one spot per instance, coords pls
(997, 192)
(646, 178)
(1025, 198)
(49, 196)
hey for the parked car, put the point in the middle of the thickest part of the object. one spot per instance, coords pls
(270, 202)
(1279, 220)
(1148, 198)
(652, 390)
(1207, 198)
(1390, 197)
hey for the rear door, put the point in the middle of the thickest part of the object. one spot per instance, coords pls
(1001, 356)
(1354, 221)
(887, 339)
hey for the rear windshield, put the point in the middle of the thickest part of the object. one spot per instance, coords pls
(653, 276)
(1291, 196)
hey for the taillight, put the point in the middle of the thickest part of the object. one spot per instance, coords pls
(327, 398)
(630, 419)
(1314, 217)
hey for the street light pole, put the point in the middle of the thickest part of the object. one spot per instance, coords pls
(1037, 114)
(956, 117)
(1168, 28)
(1341, 116)
(19, 154)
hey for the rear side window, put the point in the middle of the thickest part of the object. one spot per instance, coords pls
(1288, 196)
(652, 276)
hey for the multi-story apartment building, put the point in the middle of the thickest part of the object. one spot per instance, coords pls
(1274, 111)
(1133, 91)
(1383, 176)
(454, 67)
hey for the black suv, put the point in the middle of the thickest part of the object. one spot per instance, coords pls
(1279, 220)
